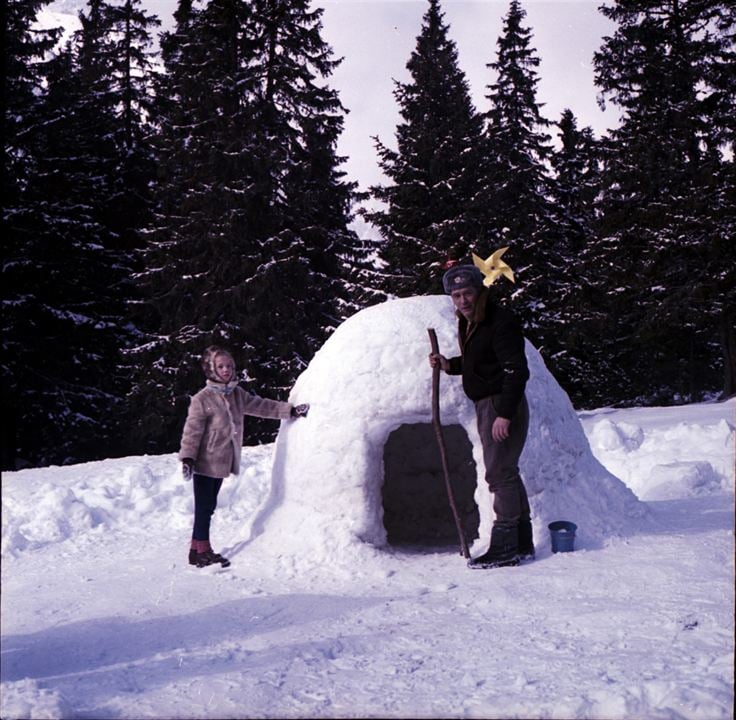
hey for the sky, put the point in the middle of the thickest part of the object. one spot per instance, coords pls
(376, 37)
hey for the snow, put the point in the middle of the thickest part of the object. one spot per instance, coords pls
(102, 617)
(633, 452)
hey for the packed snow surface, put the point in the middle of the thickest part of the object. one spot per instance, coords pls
(102, 617)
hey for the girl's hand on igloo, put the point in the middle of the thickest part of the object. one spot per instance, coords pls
(300, 410)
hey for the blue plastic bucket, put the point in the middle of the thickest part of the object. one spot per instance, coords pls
(562, 534)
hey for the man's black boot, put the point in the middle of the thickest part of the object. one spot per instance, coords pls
(504, 549)
(526, 540)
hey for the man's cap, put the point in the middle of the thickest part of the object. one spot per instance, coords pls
(459, 277)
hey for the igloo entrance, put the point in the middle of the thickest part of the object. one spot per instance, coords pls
(416, 510)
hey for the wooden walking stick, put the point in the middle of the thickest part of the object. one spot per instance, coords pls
(441, 443)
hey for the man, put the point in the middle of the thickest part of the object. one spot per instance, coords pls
(494, 372)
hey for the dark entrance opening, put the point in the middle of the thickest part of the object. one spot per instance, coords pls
(416, 509)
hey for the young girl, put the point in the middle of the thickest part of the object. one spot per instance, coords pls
(213, 438)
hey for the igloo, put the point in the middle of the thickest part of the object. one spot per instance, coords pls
(362, 473)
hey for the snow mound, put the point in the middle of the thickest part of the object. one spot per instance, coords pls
(371, 378)
(43, 506)
(673, 481)
(25, 699)
(672, 459)
(617, 436)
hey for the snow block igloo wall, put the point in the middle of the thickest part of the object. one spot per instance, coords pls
(372, 377)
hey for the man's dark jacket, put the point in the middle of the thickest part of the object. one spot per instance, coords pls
(493, 361)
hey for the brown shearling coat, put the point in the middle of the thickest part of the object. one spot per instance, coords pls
(213, 431)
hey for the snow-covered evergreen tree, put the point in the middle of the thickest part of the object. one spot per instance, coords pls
(25, 50)
(576, 165)
(71, 262)
(250, 246)
(25, 53)
(129, 57)
(515, 197)
(665, 250)
(425, 211)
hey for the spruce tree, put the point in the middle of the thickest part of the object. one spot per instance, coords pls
(74, 262)
(250, 241)
(425, 212)
(25, 52)
(669, 66)
(515, 196)
(25, 55)
(576, 166)
(127, 54)
(74, 324)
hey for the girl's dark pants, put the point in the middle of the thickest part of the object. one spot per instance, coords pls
(510, 501)
(205, 501)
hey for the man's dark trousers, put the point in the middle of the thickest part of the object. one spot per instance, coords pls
(510, 501)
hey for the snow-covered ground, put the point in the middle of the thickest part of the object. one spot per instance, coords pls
(102, 617)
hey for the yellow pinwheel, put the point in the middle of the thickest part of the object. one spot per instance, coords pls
(493, 267)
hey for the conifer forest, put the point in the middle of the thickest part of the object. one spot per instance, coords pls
(164, 191)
